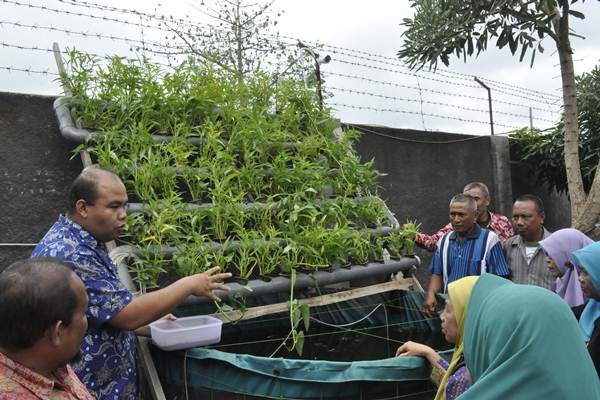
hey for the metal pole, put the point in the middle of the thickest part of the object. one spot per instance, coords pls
(530, 119)
(489, 102)
(318, 63)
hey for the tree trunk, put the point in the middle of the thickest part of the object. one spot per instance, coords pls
(572, 165)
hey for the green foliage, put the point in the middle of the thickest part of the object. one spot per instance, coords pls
(542, 152)
(266, 187)
(441, 28)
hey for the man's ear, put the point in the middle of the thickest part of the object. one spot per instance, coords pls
(53, 333)
(81, 208)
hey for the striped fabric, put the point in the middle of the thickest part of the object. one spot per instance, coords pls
(533, 273)
(480, 251)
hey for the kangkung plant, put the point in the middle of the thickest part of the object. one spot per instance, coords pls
(273, 183)
(410, 229)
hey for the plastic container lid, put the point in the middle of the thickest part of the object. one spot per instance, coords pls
(186, 332)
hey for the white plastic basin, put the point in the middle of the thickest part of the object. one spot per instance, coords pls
(186, 332)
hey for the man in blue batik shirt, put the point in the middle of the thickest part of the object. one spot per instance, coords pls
(97, 214)
(466, 250)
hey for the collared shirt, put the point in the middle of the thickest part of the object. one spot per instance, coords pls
(498, 224)
(479, 250)
(18, 382)
(533, 273)
(107, 365)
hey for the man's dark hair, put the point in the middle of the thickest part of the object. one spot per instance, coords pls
(465, 198)
(85, 186)
(539, 204)
(34, 294)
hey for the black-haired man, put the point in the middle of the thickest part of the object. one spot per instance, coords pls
(42, 309)
(97, 214)
(525, 257)
(466, 250)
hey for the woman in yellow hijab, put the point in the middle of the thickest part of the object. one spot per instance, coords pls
(452, 379)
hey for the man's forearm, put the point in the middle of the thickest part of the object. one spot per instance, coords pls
(435, 284)
(151, 306)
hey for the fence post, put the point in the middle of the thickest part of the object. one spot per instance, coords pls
(489, 103)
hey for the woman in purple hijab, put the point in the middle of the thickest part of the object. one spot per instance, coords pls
(558, 248)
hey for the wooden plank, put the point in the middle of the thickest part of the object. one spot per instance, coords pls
(255, 312)
(150, 369)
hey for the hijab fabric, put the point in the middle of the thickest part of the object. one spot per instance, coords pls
(559, 247)
(588, 258)
(459, 292)
(522, 342)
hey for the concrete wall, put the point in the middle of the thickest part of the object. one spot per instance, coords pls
(35, 172)
(558, 207)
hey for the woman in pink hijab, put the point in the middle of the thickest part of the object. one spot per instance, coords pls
(558, 248)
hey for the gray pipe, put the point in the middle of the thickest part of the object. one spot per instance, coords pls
(70, 131)
(258, 287)
(65, 122)
(318, 278)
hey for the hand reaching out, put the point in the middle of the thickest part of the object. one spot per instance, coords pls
(204, 283)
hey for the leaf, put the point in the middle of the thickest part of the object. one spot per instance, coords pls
(577, 14)
(299, 343)
(512, 43)
(523, 51)
(305, 310)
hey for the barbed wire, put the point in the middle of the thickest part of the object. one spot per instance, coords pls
(437, 103)
(447, 82)
(29, 70)
(463, 77)
(394, 110)
(97, 35)
(48, 50)
(399, 85)
(337, 49)
(80, 14)
(142, 45)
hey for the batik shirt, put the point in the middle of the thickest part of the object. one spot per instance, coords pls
(457, 383)
(18, 382)
(107, 365)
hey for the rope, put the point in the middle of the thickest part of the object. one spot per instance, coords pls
(349, 323)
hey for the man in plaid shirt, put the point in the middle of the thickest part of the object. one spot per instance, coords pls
(497, 223)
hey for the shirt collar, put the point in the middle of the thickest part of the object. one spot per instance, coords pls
(38, 384)
(80, 231)
(519, 239)
(472, 234)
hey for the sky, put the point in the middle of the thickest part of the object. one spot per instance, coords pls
(367, 83)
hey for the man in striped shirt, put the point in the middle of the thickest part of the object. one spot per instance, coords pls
(466, 250)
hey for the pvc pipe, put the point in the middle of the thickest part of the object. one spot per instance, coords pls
(70, 131)
(258, 287)
(65, 122)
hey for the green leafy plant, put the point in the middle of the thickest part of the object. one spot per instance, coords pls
(410, 229)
